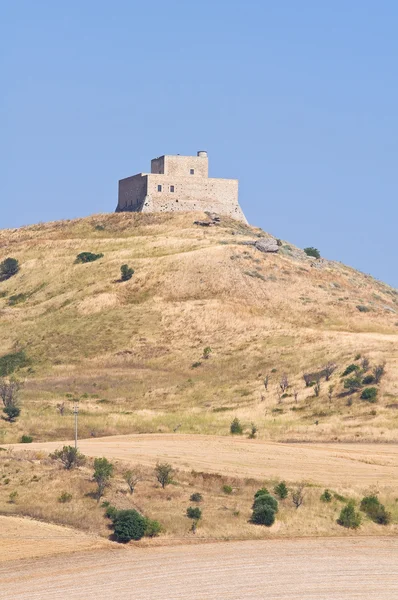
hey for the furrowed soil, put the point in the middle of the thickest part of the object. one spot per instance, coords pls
(313, 569)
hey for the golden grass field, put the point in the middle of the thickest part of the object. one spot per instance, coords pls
(125, 350)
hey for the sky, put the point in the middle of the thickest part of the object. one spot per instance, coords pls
(297, 100)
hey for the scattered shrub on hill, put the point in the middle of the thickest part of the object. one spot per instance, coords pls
(311, 251)
(261, 492)
(227, 489)
(152, 528)
(103, 471)
(12, 413)
(375, 510)
(65, 497)
(132, 477)
(128, 525)
(126, 272)
(266, 499)
(235, 427)
(326, 496)
(350, 369)
(26, 439)
(196, 364)
(263, 515)
(206, 352)
(281, 490)
(298, 495)
(164, 474)
(353, 383)
(111, 511)
(17, 299)
(365, 364)
(363, 308)
(13, 497)
(194, 512)
(69, 456)
(86, 257)
(369, 394)
(368, 380)
(379, 371)
(253, 432)
(349, 517)
(339, 497)
(196, 497)
(8, 268)
(9, 391)
(12, 362)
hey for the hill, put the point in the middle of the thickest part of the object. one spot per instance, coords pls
(132, 352)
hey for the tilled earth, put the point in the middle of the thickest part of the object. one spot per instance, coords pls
(306, 569)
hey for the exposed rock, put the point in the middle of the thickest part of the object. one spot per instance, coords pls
(264, 244)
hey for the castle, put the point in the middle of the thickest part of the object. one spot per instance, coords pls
(180, 183)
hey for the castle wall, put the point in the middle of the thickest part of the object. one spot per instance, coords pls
(132, 192)
(181, 166)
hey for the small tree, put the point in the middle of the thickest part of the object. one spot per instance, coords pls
(378, 372)
(311, 251)
(132, 477)
(128, 525)
(376, 511)
(365, 364)
(196, 497)
(87, 257)
(281, 490)
(253, 432)
(8, 268)
(126, 272)
(369, 394)
(349, 517)
(317, 386)
(206, 352)
(194, 513)
(263, 515)
(235, 427)
(164, 473)
(69, 456)
(353, 384)
(284, 383)
(298, 495)
(9, 391)
(103, 471)
(326, 496)
(328, 370)
(266, 381)
(295, 394)
(330, 393)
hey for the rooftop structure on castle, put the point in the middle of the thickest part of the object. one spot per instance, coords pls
(180, 183)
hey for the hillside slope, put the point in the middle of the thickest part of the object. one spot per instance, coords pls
(126, 350)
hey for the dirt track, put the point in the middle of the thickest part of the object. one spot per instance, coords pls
(313, 569)
(330, 464)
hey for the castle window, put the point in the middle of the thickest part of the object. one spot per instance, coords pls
(192, 171)
(159, 188)
(172, 188)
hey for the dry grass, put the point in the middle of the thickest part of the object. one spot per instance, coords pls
(126, 350)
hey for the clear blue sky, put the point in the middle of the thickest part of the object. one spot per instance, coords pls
(299, 100)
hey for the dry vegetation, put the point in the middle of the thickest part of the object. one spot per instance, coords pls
(126, 350)
(40, 483)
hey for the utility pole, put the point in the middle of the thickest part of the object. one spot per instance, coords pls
(76, 412)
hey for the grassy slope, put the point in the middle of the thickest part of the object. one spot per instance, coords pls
(127, 349)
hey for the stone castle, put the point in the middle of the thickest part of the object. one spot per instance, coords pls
(180, 183)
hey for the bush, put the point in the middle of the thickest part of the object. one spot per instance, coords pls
(375, 510)
(111, 511)
(311, 251)
(353, 383)
(326, 496)
(152, 528)
(11, 362)
(26, 439)
(196, 364)
(12, 412)
(126, 272)
(363, 308)
(261, 492)
(8, 268)
(266, 500)
(13, 497)
(281, 490)
(227, 489)
(65, 497)
(103, 471)
(194, 512)
(86, 257)
(263, 515)
(253, 432)
(349, 517)
(164, 473)
(350, 369)
(369, 394)
(17, 299)
(70, 457)
(235, 427)
(368, 380)
(129, 525)
(196, 497)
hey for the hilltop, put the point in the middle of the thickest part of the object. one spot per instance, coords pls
(132, 352)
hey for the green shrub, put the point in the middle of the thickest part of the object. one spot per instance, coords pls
(129, 525)
(65, 497)
(69, 456)
(353, 383)
(363, 308)
(111, 511)
(86, 257)
(311, 251)
(266, 500)
(152, 528)
(281, 490)
(369, 394)
(164, 474)
(326, 496)
(349, 517)
(194, 512)
(12, 362)
(12, 412)
(368, 380)
(196, 364)
(26, 439)
(13, 497)
(103, 471)
(375, 510)
(227, 489)
(196, 497)
(126, 272)
(235, 427)
(17, 299)
(8, 268)
(261, 492)
(263, 515)
(350, 369)
(339, 497)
